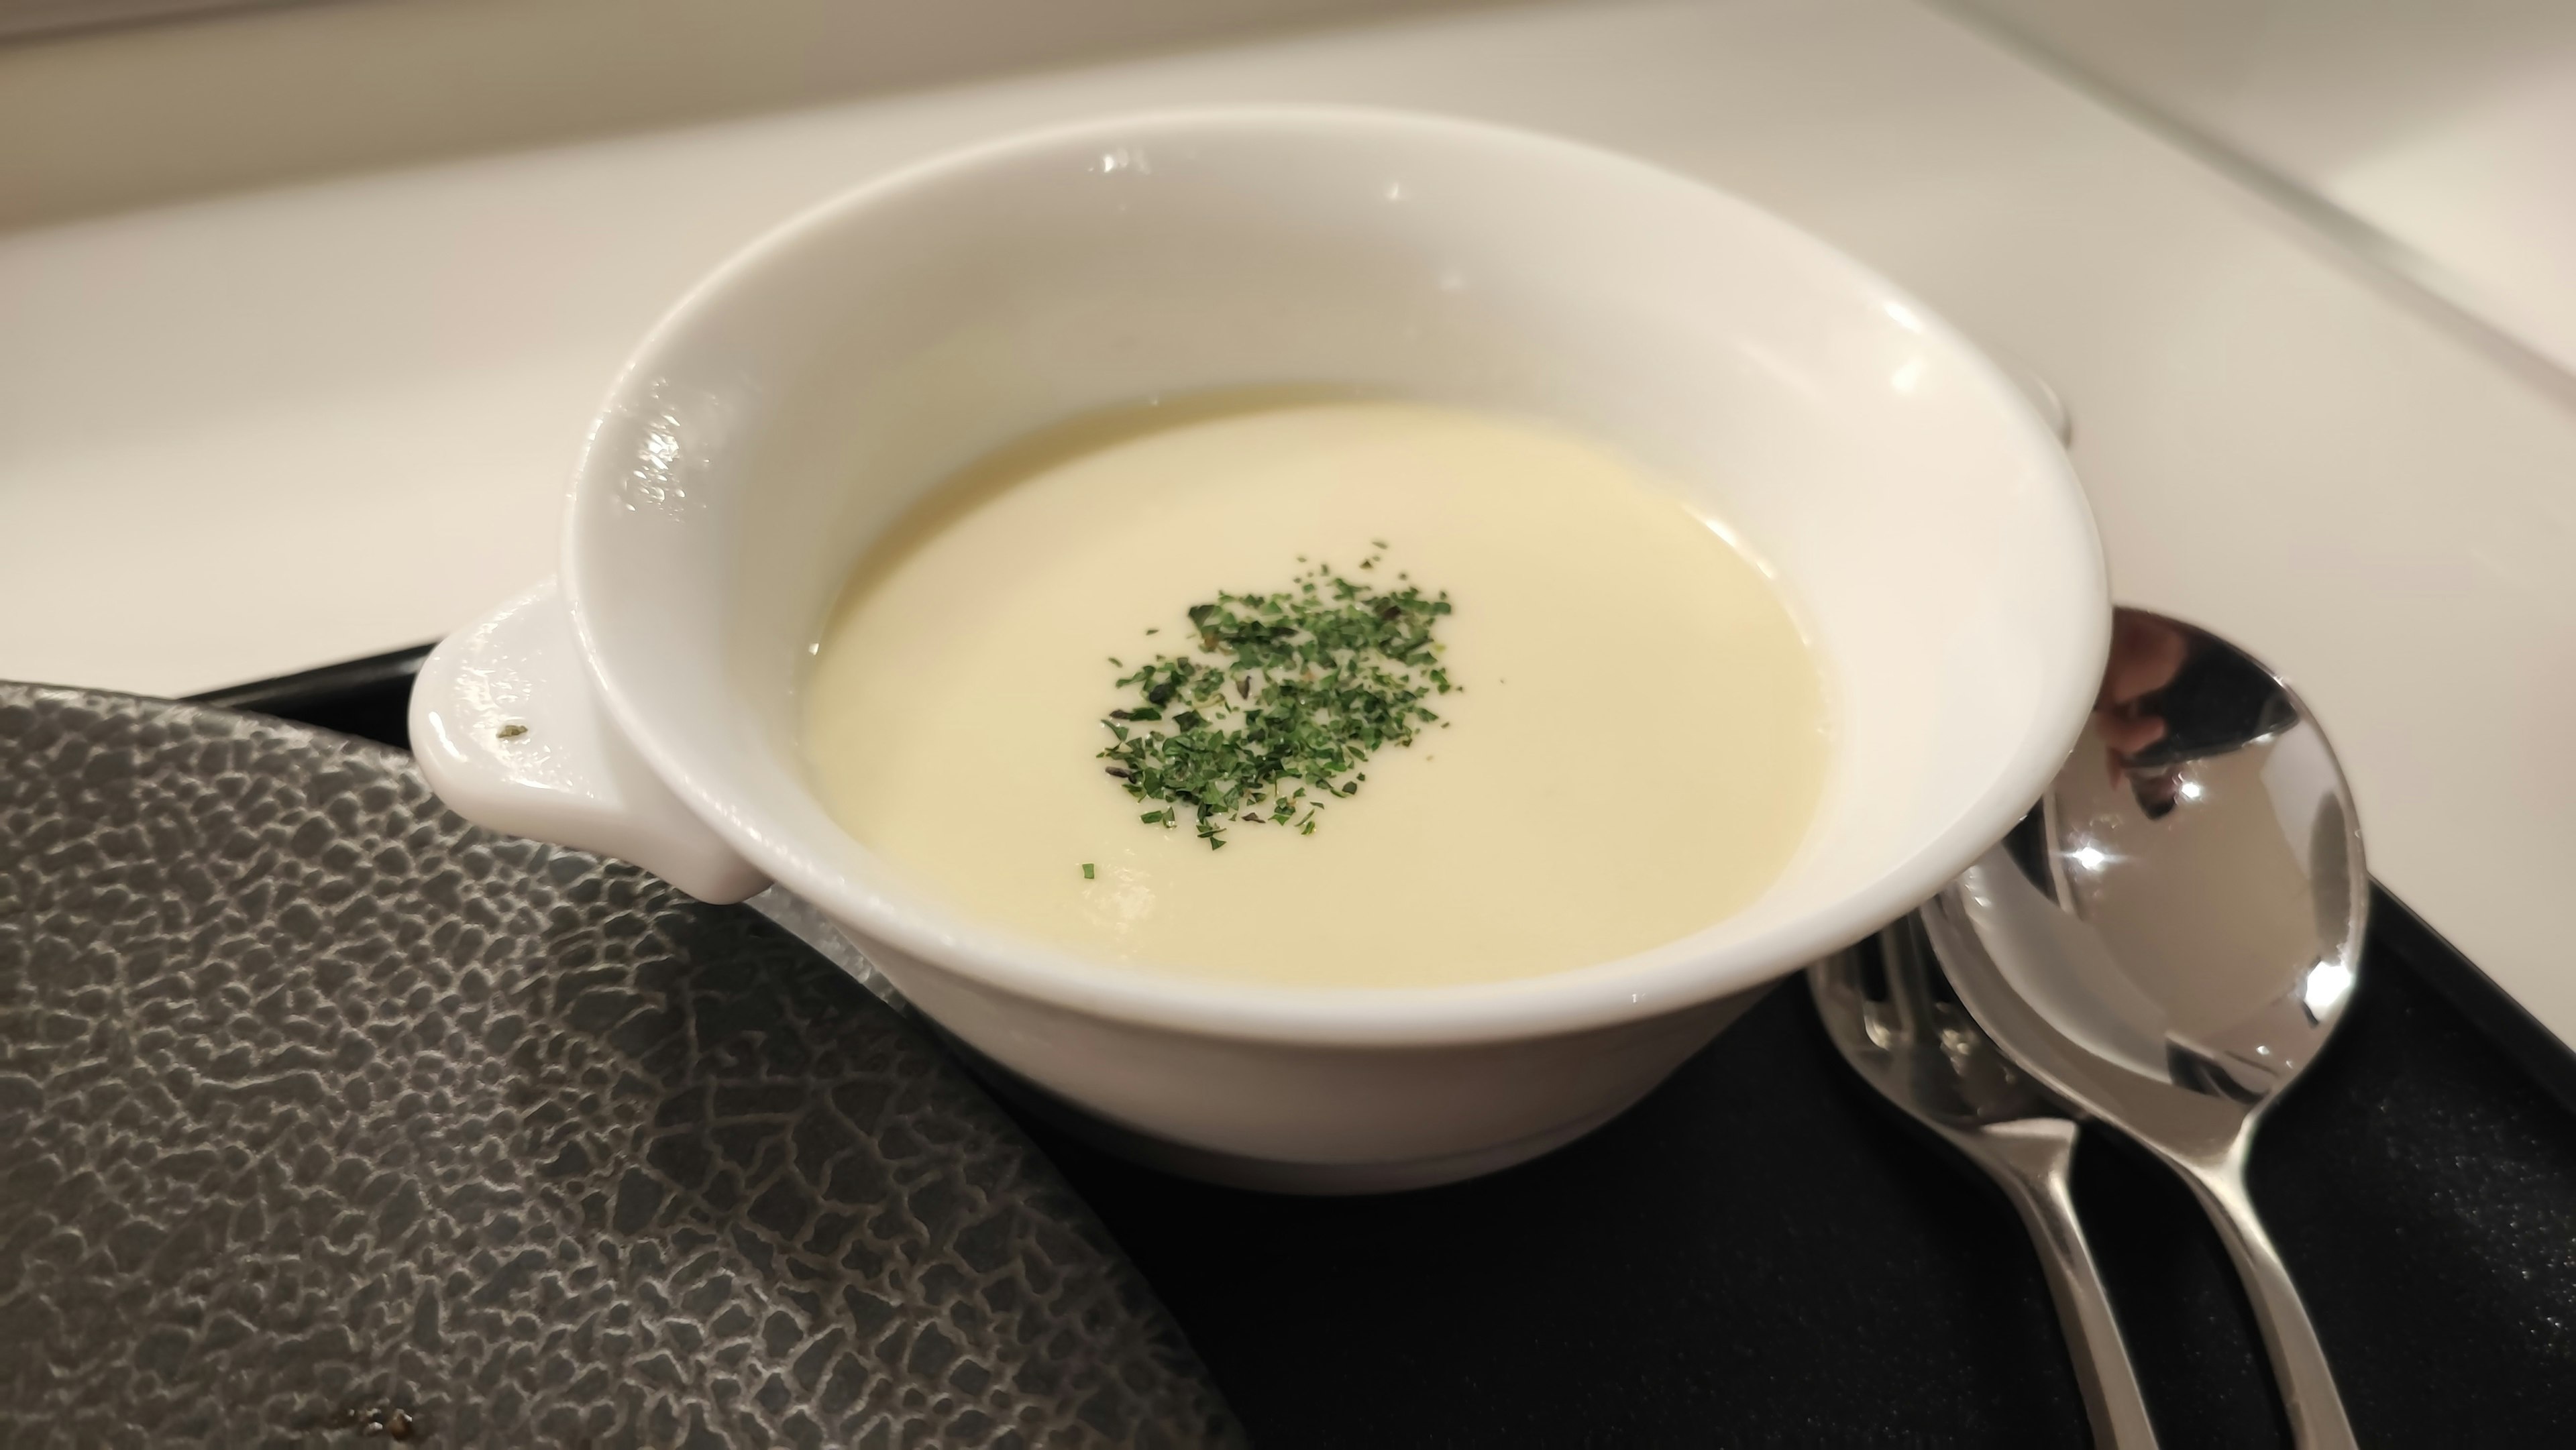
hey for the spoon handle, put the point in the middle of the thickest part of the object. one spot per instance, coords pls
(2299, 1368)
(2032, 1160)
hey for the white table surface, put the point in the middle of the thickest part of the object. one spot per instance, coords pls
(219, 422)
(2444, 134)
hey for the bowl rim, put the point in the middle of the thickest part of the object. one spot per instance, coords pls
(1661, 980)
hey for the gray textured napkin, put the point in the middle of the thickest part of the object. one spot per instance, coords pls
(326, 1117)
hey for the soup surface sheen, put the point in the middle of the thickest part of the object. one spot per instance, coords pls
(1634, 750)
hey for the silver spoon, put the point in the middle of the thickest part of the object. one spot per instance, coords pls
(2168, 938)
(1925, 1055)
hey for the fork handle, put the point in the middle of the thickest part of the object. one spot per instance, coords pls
(2299, 1369)
(2032, 1160)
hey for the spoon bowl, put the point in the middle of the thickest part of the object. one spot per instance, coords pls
(2169, 937)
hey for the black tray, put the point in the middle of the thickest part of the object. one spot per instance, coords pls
(1762, 1253)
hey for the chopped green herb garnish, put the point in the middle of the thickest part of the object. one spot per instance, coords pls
(1297, 686)
(1086, 871)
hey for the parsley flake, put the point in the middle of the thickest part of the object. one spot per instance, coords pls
(1284, 692)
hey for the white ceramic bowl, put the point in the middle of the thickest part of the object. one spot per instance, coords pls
(1924, 520)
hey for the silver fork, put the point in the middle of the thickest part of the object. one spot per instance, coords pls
(1885, 1007)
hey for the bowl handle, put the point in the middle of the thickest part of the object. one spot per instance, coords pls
(511, 733)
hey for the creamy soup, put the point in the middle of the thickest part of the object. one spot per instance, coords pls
(1325, 692)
